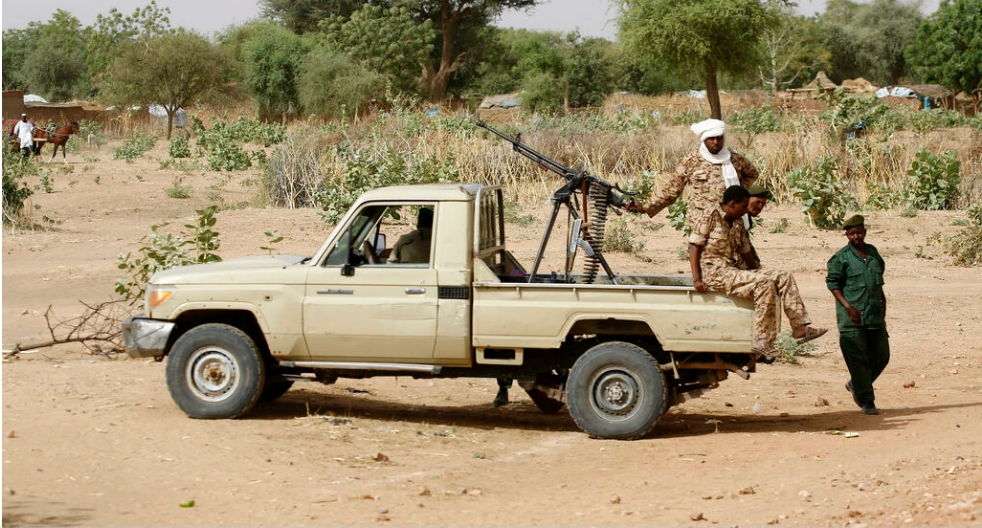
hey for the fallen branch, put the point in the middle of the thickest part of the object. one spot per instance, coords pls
(97, 328)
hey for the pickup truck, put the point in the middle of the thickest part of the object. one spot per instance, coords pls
(616, 351)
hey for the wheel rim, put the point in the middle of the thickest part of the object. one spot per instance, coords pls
(616, 393)
(212, 374)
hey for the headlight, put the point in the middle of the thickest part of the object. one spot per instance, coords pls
(157, 295)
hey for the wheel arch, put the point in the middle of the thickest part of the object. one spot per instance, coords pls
(242, 319)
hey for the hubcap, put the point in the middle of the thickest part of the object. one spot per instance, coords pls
(212, 374)
(615, 392)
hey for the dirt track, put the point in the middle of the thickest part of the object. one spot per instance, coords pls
(93, 441)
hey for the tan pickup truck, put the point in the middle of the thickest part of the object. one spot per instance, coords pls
(617, 352)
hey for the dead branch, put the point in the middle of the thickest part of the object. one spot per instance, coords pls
(97, 328)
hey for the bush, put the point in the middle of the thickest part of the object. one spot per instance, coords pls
(824, 198)
(619, 238)
(542, 93)
(179, 147)
(676, 216)
(757, 119)
(135, 146)
(220, 147)
(164, 251)
(966, 245)
(932, 181)
(225, 154)
(791, 349)
(15, 190)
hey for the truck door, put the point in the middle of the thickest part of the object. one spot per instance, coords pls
(368, 302)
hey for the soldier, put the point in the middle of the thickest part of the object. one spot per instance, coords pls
(758, 199)
(855, 278)
(713, 244)
(707, 173)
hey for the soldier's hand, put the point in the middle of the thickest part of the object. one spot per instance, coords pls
(632, 206)
(854, 315)
(700, 286)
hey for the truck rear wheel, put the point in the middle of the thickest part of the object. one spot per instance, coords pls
(616, 390)
(215, 371)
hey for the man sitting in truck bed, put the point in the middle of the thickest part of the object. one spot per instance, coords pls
(414, 247)
(713, 244)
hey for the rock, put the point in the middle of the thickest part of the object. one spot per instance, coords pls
(910, 384)
(757, 408)
(749, 490)
(821, 402)
(11, 434)
(380, 457)
(425, 492)
(805, 494)
(697, 517)
(615, 499)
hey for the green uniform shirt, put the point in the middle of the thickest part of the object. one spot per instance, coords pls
(861, 282)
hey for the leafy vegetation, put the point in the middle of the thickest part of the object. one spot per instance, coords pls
(135, 146)
(179, 147)
(932, 181)
(966, 245)
(16, 191)
(823, 196)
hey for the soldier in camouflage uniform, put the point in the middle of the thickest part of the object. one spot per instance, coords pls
(713, 244)
(758, 199)
(707, 173)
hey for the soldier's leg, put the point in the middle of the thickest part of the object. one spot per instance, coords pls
(878, 351)
(794, 307)
(852, 342)
(501, 398)
(750, 284)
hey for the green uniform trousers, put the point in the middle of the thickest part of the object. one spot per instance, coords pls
(867, 352)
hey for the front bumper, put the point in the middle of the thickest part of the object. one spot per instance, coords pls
(146, 337)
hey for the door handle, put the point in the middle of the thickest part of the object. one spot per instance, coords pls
(415, 291)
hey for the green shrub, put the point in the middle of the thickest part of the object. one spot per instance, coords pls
(932, 181)
(619, 238)
(676, 216)
(824, 198)
(757, 119)
(779, 227)
(135, 146)
(225, 155)
(791, 349)
(164, 251)
(542, 93)
(935, 118)
(15, 190)
(179, 147)
(848, 114)
(966, 245)
(513, 215)
(881, 198)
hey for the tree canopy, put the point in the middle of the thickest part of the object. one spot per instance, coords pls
(868, 40)
(948, 47)
(272, 61)
(174, 70)
(709, 36)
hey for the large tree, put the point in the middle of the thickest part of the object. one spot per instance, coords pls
(868, 40)
(271, 62)
(710, 36)
(301, 16)
(174, 71)
(948, 47)
(47, 58)
(113, 30)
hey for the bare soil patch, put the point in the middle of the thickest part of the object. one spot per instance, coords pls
(93, 441)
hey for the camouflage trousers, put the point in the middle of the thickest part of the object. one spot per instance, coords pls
(762, 287)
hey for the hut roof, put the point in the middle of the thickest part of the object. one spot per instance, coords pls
(823, 81)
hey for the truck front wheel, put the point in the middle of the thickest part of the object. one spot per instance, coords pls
(616, 390)
(215, 371)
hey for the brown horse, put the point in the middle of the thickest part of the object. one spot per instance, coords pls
(55, 135)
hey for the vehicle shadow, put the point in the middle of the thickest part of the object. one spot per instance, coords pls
(676, 424)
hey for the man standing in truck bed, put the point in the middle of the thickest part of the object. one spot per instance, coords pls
(707, 172)
(713, 244)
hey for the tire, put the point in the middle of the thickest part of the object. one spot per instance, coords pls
(616, 390)
(273, 390)
(215, 371)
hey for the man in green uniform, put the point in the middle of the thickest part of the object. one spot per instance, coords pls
(855, 277)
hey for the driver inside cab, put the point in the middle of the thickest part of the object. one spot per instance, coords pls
(414, 247)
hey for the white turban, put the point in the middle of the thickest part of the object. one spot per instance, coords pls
(709, 128)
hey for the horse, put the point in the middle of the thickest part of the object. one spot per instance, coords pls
(57, 136)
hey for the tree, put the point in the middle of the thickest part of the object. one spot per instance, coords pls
(174, 71)
(104, 38)
(792, 52)
(868, 40)
(302, 16)
(948, 47)
(331, 84)
(271, 63)
(53, 58)
(388, 41)
(703, 35)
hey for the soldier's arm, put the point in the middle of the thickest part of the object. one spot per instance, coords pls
(747, 172)
(697, 240)
(669, 193)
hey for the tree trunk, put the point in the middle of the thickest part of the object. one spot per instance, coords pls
(438, 87)
(712, 92)
(170, 121)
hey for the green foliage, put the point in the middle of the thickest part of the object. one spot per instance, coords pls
(366, 170)
(966, 245)
(271, 62)
(225, 155)
(175, 70)
(164, 251)
(947, 48)
(619, 237)
(757, 119)
(302, 16)
(677, 213)
(47, 58)
(179, 147)
(135, 146)
(935, 118)
(388, 41)
(272, 238)
(793, 52)
(105, 38)
(791, 349)
(779, 227)
(868, 40)
(330, 84)
(824, 198)
(932, 181)
(220, 143)
(881, 197)
(847, 114)
(15, 190)
(542, 92)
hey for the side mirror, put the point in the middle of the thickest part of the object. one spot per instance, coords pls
(347, 270)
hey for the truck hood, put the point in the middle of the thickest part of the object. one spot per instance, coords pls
(244, 270)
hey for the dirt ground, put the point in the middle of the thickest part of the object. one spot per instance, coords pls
(90, 440)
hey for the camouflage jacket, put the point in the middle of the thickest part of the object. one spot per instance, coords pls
(722, 243)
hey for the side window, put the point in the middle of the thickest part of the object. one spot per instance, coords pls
(383, 235)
